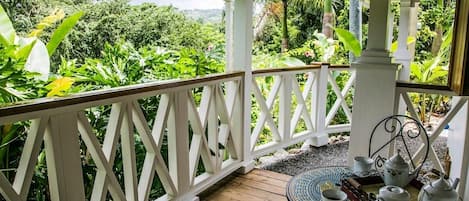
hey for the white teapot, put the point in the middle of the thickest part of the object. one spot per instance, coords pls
(393, 193)
(439, 190)
(397, 171)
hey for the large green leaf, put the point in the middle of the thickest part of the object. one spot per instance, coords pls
(395, 44)
(437, 75)
(38, 60)
(415, 71)
(6, 27)
(61, 32)
(350, 42)
(24, 51)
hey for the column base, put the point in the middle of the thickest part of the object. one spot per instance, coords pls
(247, 167)
(316, 141)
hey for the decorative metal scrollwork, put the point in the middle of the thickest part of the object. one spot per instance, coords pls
(399, 127)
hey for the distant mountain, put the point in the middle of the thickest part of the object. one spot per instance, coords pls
(205, 15)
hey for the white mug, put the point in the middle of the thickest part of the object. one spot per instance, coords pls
(362, 165)
(333, 195)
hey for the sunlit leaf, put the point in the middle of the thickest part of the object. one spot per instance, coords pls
(38, 60)
(61, 32)
(6, 28)
(25, 51)
(350, 42)
(60, 86)
(395, 44)
(48, 21)
(415, 71)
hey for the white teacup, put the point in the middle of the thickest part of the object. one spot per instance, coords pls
(362, 165)
(333, 195)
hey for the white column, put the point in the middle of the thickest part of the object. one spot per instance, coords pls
(178, 142)
(285, 103)
(64, 168)
(402, 55)
(318, 105)
(242, 48)
(375, 81)
(458, 145)
(379, 21)
(229, 35)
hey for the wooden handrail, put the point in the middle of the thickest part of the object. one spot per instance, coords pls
(339, 66)
(425, 88)
(49, 103)
(298, 68)
(286, 69)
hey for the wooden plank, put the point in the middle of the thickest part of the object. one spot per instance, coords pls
(230, 194)
(259, 185)
(264, 195)
(271, 174)
(266, 180)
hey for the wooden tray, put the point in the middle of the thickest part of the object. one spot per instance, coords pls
(359, 188)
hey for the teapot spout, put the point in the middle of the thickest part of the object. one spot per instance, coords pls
(414, 174)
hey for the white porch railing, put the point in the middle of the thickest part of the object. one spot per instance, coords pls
(211, 107)
(458, 149)
(302, 95)
(59, 124)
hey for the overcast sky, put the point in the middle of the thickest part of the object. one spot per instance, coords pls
(186, 4)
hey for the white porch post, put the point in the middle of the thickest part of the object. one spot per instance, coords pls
(375, 81)
(458, 144)
(318, 105)
(242, 48)
(229, 34)
(402, 55)
(64, 168)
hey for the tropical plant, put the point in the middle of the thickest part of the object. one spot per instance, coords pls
(432, 71)
(328, 13)
(37, 53)
(24, 72)
(324, 49)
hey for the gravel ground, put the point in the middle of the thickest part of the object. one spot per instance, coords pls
(295, 161)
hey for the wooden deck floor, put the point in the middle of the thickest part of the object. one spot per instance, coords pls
(258, 185)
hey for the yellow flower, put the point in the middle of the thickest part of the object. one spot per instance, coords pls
(60, 86)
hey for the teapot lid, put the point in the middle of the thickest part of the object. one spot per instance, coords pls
(441, 188)
(397, 162)
(394, 192)
(441, 184)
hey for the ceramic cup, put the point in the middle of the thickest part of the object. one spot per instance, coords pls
(333, 195)
(362, 165)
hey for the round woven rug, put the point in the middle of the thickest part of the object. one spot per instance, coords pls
(305, 186)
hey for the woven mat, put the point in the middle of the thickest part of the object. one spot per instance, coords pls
(305, 186)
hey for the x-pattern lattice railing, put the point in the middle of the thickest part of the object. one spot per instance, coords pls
(301, 94)
(192, 123)
(214, 139)
(403, 95)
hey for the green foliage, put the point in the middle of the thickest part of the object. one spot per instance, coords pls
(7, 32)
(350, 42)
(122, 64)
(61, 32)
(142, 25)
(263, 61)
(431, 15)
(16, 83)
(322, 49)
